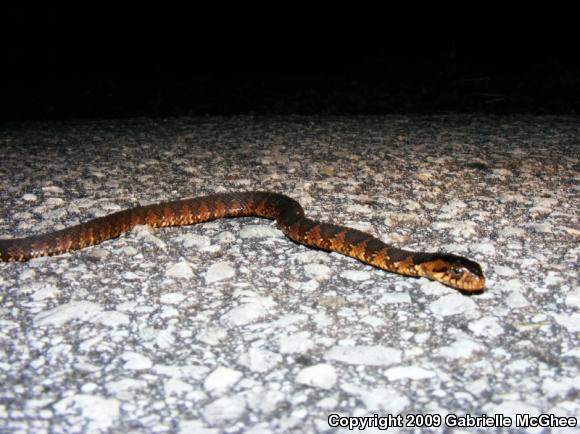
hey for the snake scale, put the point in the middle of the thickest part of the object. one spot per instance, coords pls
(452, 270)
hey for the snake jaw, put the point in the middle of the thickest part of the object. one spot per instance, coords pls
(455, 271)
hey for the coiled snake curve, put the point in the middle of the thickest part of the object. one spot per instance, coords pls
(451, 270)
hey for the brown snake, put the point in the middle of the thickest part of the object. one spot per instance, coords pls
(452, 270)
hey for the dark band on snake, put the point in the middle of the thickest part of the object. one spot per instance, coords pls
(452, 270)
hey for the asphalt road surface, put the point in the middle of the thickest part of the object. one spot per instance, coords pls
(230, 327)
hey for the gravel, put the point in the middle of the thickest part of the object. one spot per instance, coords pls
(230, 327)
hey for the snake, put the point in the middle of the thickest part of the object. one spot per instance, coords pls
(449, 269)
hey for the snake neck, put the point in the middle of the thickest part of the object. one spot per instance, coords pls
(354, 243)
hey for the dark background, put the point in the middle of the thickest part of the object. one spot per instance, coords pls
(105, 63)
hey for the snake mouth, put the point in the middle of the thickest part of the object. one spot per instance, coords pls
(466, 284)
(469, 284)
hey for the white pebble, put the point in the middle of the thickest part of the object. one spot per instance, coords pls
(181, 270)
(516, 300)
(29, 197)
(553, 279)
(378, 399)
(175, 386)
(128, 275)
(364, 209)
(221, 379)
(574, 352)
(411, 372)
(570, 322)
(327, 403)
(502, 270)
(126, 387)
(511, 231)
(225, 237)
(193, 240)
(322, 376)
(259, 360)
(308, 286)
(219, 271)
(512, 285)
(355, 275)
(373, 321)
(79, 310)
(196, 372)
(486, 326)
(486, 249)
(318, 272)
(46, 291)
(542, 228)
(395, 298)
(453, 207)
(54, 201)
(166, 338)
(251, 311)
(519, 366)
(135, 361)
(111, 318)
(172, 298)
(510, 197)
(453, 304)
(502, 172)
(29, 274)
(265, 399)
(195, 427)
(300, 342)
(53, 190)
(561, 387)
(224, 409)
(311, 256)
(260, 231)
(100, 412)
(461, 349)
(573, 298)
(147, 233)
(364, 355)
(212, 336)
(67, 312)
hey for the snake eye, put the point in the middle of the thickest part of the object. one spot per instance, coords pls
(457, 272)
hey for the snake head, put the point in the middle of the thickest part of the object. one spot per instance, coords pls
(455, 271)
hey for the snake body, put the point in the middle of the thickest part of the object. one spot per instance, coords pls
(452, 270)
